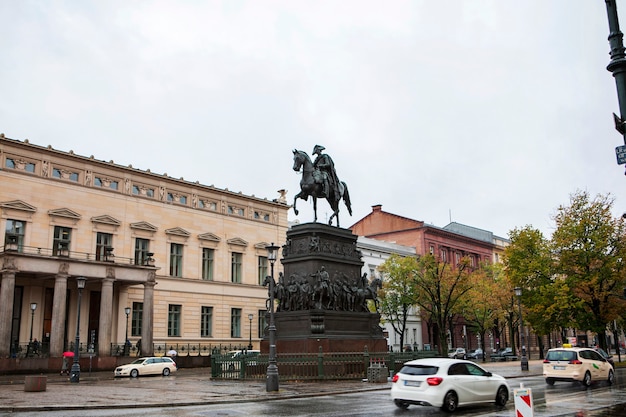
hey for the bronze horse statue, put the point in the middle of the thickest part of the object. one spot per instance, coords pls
(308, 187)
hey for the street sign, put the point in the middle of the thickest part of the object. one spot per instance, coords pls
(620, 152)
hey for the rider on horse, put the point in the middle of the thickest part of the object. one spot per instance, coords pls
(325, 173)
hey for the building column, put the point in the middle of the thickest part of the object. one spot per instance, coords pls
(147, 341)
(106, 313)
(59, 302)
(7, 294)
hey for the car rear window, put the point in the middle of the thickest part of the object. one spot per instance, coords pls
(561, 355)
(419, 370)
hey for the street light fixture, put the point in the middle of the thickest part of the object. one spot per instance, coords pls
(75, 371)
(271, 384)
(250, 317)
(33, 307)
(126, 343)
(524, 360)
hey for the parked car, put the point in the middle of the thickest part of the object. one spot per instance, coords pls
(237, 355)
(458, 353)
(447, 383)
(584, 365)
(475, 354)
(606, 356)
(503, 355)
(147, 366)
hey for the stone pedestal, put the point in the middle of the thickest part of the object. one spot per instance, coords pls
(322, 297)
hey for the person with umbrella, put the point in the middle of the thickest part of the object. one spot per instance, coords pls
(67, 355)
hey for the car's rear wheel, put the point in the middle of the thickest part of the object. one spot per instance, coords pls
(450, 402)
(502, 396)
(166, 371)
(611, 378)
(586, 379)
(549, 381)
(134, 373)
(401, 404)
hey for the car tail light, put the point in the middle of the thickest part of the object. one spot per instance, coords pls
(434, 380)
(546, 361)
(575, 362)
(395, 378)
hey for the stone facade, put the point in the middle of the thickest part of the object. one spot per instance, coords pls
(187, 258)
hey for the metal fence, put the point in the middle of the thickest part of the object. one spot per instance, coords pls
(312, 366)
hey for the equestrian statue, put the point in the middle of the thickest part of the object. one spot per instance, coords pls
(319, 180)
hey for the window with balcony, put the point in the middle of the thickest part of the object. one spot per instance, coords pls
(142, 248)
(61, 241)
(104, 246)
(14, 235)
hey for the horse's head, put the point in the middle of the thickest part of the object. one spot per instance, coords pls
(299, 159)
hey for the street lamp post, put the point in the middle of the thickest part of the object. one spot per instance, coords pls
(75, 371)
(126, 343)
(524, 359)
(272, 369)
(250, 316)
(33, 307)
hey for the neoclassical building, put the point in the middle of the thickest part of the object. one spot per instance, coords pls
(165, 261)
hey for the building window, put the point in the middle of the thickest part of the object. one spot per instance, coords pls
(206, 322)
(262, 269)
(135, 321)
(236, 210)
(431, 250)
(235, 267)
(9, 163)
(66, 175)
(261, 323)
(444, 255)
(142, 248)
(15, 233)
(173, 320)
(62, 239)
(207, 264)
(143, 191)
(235, 322)
(104, 246)
(176, 260)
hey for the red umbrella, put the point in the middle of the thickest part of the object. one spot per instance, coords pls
(68, 354)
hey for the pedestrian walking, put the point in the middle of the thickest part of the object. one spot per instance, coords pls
(65, 367)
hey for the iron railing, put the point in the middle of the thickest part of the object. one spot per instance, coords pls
(312, 366)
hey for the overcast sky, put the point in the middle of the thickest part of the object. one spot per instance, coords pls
(485, 112)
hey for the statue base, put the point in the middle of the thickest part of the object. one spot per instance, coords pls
(332, 331)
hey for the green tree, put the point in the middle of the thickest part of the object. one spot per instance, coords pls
(441, 290)
(590, 246)
(397, 295)
(480, 312)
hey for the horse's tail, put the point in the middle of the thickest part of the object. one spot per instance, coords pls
(346, 198)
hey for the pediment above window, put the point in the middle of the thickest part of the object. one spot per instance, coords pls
(65, 213)
(209, 236)
(18, 205)
(144, 226)
(237, 241)
(261, 245)
(178, 231)
(106, 219)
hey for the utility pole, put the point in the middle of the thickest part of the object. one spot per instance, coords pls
(617, 66)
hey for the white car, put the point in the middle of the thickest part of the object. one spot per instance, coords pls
(584, 365)
(147, 366)
(447, 383)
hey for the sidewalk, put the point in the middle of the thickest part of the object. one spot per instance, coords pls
(188, 386)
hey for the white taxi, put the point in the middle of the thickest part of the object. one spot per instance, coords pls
(581, 364)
